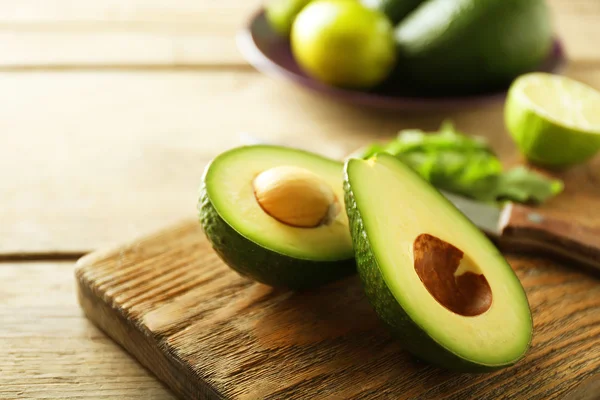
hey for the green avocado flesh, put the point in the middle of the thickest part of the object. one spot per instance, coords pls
(259, 246)
(390, 208)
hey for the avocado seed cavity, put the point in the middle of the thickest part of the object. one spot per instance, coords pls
(296, 196)
(450, 277)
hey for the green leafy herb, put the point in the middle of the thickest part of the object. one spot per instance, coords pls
(466, 165)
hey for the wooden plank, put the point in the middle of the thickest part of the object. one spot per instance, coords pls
(114, 33)
(207, 332)
(49, 350)
(37, 50)
(91, 159)
(177, 33)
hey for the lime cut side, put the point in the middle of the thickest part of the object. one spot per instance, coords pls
(564, 100)
(554, 120)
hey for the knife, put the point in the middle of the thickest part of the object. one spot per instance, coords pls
(517, 227)
(520, 228)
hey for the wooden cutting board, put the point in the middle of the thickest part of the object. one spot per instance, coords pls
(209, 333)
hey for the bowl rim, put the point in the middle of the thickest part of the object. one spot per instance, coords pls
(260, 61)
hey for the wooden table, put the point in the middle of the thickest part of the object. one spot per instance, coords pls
(109, 112)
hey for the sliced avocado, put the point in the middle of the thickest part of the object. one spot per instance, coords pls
(276, 215)
(431, 275)
(471, 45)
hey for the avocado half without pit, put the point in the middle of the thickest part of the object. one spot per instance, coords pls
(276, 215)
(431, 275)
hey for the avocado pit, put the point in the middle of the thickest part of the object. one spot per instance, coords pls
(450, 277)
(295, 196)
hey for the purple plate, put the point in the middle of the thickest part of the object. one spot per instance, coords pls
(271, 55)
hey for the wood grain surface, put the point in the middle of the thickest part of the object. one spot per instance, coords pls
(127, 161)
(39, 34)
(49, 350)
(209, 333)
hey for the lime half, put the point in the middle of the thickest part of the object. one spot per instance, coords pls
(554, 120)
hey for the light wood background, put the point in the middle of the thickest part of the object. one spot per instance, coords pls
(109, 111)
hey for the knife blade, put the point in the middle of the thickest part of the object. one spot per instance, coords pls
(522, 228)
(485, 216)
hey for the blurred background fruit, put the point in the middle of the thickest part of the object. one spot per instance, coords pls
(343, 43)
(471, 45)
(281, 14)
(425, 48)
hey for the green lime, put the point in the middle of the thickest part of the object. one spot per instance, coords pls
(281, 14)
(554, 120)
(472, 44)
(343, 43)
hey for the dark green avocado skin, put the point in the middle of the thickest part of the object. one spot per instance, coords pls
(413, 338)
(260, 264)
(484, 52)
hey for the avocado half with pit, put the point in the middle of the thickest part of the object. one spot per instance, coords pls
(276, 215)
(431, 275)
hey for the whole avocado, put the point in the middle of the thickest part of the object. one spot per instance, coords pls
(471, 45)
